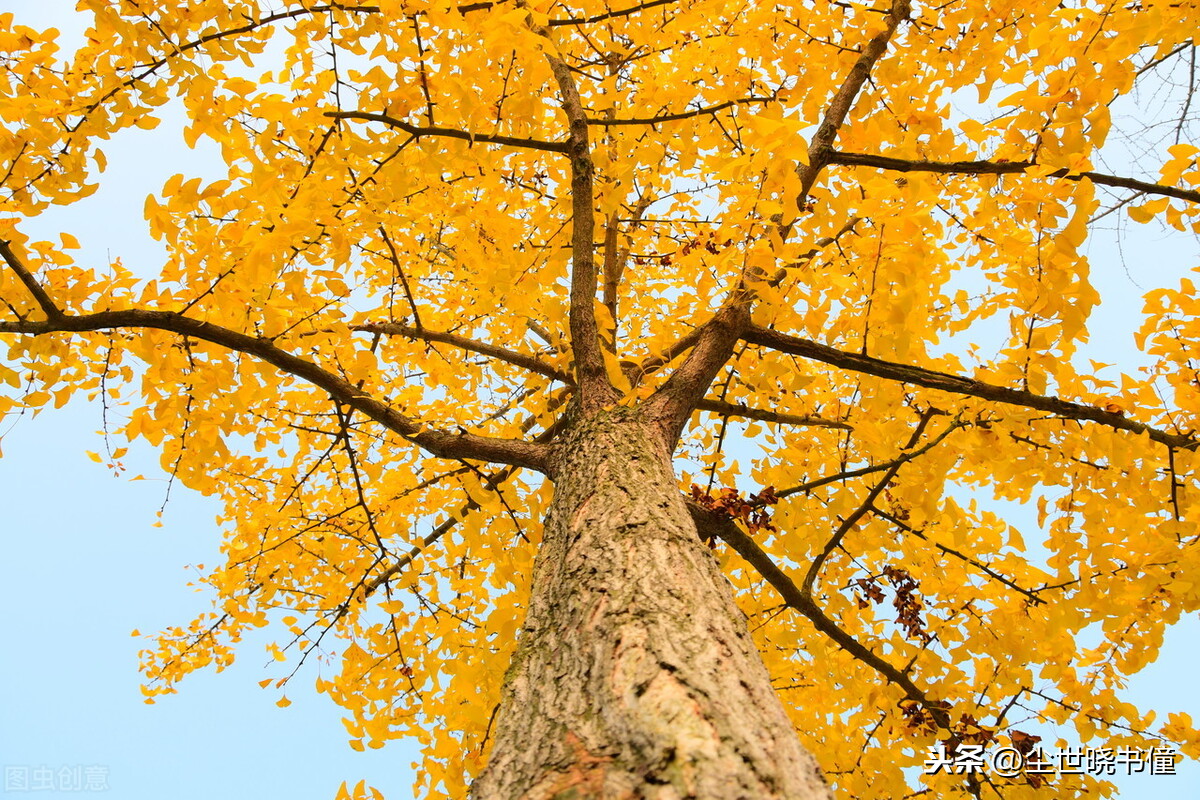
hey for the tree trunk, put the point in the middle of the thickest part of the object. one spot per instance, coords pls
(635, 676)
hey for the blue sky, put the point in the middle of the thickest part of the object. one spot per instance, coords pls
(83, 566)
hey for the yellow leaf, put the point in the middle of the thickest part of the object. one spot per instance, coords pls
(1183, 150)
(1143, 213)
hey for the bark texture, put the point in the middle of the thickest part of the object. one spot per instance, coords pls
(635, 676)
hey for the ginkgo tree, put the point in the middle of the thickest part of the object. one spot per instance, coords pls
(598, 387)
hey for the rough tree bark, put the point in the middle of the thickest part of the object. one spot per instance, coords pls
(635, 676)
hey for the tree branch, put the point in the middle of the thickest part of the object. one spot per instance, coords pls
(450, 133)
(835, 541)
(635, 372)
(617, 258)
(955, 384)
(984, 568)
(746, 412)
(439, 443)
(814, 251)
(710, 525)
(1005, 168)
(711, 345)
(179, 49)
(31, 283)
(595, 389)
(531, 363)
(672, 403)
(493, 482)
(625, 12)
(394, 257)
(839, 108)
(858, 473)
(682, 115)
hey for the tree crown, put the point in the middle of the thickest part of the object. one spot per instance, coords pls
(447, 231)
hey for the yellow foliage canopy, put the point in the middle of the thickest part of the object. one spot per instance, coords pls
(442, 224)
